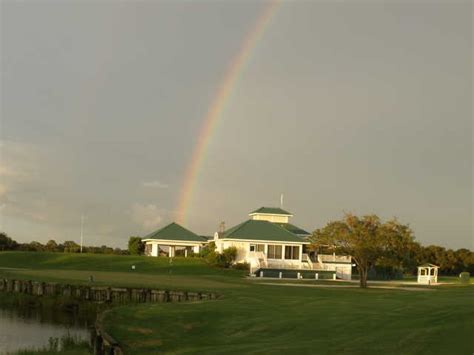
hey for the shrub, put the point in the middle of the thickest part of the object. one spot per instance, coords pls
(229, 255)
(224, 259)
(207, 249)
(135, 246)
(464, 277)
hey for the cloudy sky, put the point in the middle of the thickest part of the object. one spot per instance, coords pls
(354, 106)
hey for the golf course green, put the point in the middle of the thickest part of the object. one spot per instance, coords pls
(263, 316)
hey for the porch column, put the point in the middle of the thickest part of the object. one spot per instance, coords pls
(300, 248)
(283, 252)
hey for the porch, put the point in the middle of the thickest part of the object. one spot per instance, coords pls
(298, 274)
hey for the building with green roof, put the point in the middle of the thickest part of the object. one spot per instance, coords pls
(266, 240)
(173, 240)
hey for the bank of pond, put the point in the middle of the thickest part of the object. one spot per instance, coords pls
(41, 317)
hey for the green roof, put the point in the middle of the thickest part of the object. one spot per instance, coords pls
(174, 231)
(293, 229)
(271, 210)
(261, 230)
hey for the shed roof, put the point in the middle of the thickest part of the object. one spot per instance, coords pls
(174, 231)
(428, 265)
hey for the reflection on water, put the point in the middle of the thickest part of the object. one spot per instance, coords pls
(32, 328)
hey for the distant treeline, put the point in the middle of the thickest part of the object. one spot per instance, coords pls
(7, 243)
(451, 262)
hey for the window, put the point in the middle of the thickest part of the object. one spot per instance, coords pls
(257, 247)
(292, 252)
(274, 252)
(164, 250)
(183, 251)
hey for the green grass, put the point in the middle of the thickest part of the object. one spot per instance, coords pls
(115, 263)
(255, 318)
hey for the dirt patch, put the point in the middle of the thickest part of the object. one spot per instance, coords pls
(141, 330)
(188, 326)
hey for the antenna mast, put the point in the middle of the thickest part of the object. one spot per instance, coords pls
(82, 231)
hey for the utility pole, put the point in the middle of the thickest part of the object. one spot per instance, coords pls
(82, 231)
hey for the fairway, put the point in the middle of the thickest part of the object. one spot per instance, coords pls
(254, 317)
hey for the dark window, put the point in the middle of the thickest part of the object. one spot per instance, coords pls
(257, 247)
(292, 252)
(274, 252)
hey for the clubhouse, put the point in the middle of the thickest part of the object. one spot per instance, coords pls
(267, 242)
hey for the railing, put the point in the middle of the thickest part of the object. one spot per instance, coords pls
(305, 259)
(334, 258)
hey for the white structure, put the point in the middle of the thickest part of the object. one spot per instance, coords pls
(428, 274)
(267, 241)
(173, 240)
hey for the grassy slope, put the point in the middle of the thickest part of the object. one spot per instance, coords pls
(189, 273)
(255, 318)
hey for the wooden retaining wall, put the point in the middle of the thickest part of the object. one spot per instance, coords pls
(102, 342)
(101, 294)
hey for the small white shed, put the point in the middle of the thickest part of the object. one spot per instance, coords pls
(428, 274)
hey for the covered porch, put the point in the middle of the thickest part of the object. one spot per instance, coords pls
(171, 249)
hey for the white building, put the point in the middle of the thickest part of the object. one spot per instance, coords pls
(173, 240)
(267, 242)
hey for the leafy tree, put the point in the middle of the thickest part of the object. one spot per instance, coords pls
(51, 245)
(71, 247)
(36, 246)
(367, 240)
(136, 246)
(7, 243)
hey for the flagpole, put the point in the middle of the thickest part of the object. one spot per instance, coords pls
(82, 231)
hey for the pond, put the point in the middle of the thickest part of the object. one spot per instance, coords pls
(32, 328)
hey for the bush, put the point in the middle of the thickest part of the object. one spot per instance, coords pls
(135, 246)
(229, 255)
(464, 277)
(224, 259)
(207, 249)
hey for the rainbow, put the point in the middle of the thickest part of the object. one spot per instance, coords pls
(217, 106)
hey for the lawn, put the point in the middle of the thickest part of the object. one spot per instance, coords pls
(252, 317)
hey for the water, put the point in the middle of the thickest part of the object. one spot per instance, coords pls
(30, 328)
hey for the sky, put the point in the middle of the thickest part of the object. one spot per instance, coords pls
(347, 106)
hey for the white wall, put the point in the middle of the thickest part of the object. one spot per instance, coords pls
(275, 218)
(154, 249)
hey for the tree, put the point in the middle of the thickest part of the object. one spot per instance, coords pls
(7, 243)
(71, 247)
(51, 245)
(136, 246)
(36, 246)
(367, 240)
